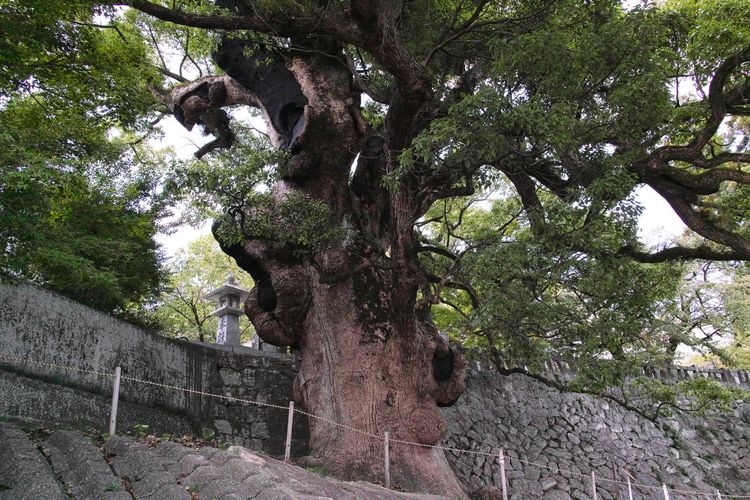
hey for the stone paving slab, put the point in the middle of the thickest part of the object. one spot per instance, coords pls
(167, 471)
(82, 468)
(143, 470)
(240, 473)
(23, 468)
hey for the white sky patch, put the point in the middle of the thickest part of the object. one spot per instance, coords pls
(181, 238)
(659, 225)
(184, 143)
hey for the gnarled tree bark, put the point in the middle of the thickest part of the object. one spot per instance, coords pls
(371, 358)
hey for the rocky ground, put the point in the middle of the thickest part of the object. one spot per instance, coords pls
(68, 464)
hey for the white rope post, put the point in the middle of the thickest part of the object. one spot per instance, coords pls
(593, 485)
(288, 446)
(387, 459)
(503, 481)
(115, 400)
(666, 492)
(630, 488)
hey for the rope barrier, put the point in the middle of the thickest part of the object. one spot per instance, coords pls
(338, 424)
(444, 448)
(556, 469)
(53, 365)
(203, 393)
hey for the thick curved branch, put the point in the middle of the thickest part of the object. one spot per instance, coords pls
(363, 80)
(371, 27)
(532, 205)
(708, 182)
(681, 253)
(430, 195)
(284, 23)
(698, 223)
(279, 302)
(200, 102)
(681, 189)
(738, 99)
(438, 250)
(476, 301)
(717, 101)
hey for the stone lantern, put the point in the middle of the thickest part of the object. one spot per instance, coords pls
(229, 298)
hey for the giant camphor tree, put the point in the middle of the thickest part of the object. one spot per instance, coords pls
(384, 108)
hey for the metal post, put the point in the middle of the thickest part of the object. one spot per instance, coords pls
(593, 485)
(666, 492)
(387, 459)
(504, 482)
(115, 400)
(288, 446)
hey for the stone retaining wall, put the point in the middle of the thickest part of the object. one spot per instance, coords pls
(562, 371)
(553, 440)
(42, 327)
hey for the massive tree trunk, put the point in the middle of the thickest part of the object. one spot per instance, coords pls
(371, 358)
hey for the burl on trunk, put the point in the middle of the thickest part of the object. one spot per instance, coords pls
(371, 358)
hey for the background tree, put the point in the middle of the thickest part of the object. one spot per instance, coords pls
(77, 213)
(565, 105)
(195, 271)
(738, 304)
(724, 289)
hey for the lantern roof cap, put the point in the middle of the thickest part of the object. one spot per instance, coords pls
(229, 287)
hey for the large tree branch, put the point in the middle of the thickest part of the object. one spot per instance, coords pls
(699, 223)
(681, 253)
(532, 205)
(283, 23)
(200, 102)
(717, 101)
(682, 189)
(372, 26)
(738, 99)
(709, 182)
(476, 301)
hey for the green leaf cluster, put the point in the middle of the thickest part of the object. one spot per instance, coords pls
(71, 55)
(75, 213)
(233, 188)
(78, 203)
(564, 293)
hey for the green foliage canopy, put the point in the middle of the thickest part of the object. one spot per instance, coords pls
(77, 206)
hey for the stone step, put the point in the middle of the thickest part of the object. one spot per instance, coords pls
(143, 471)
(168, 471)
(196, 471)
(24, 471)
(238, 473)
(82, 467)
